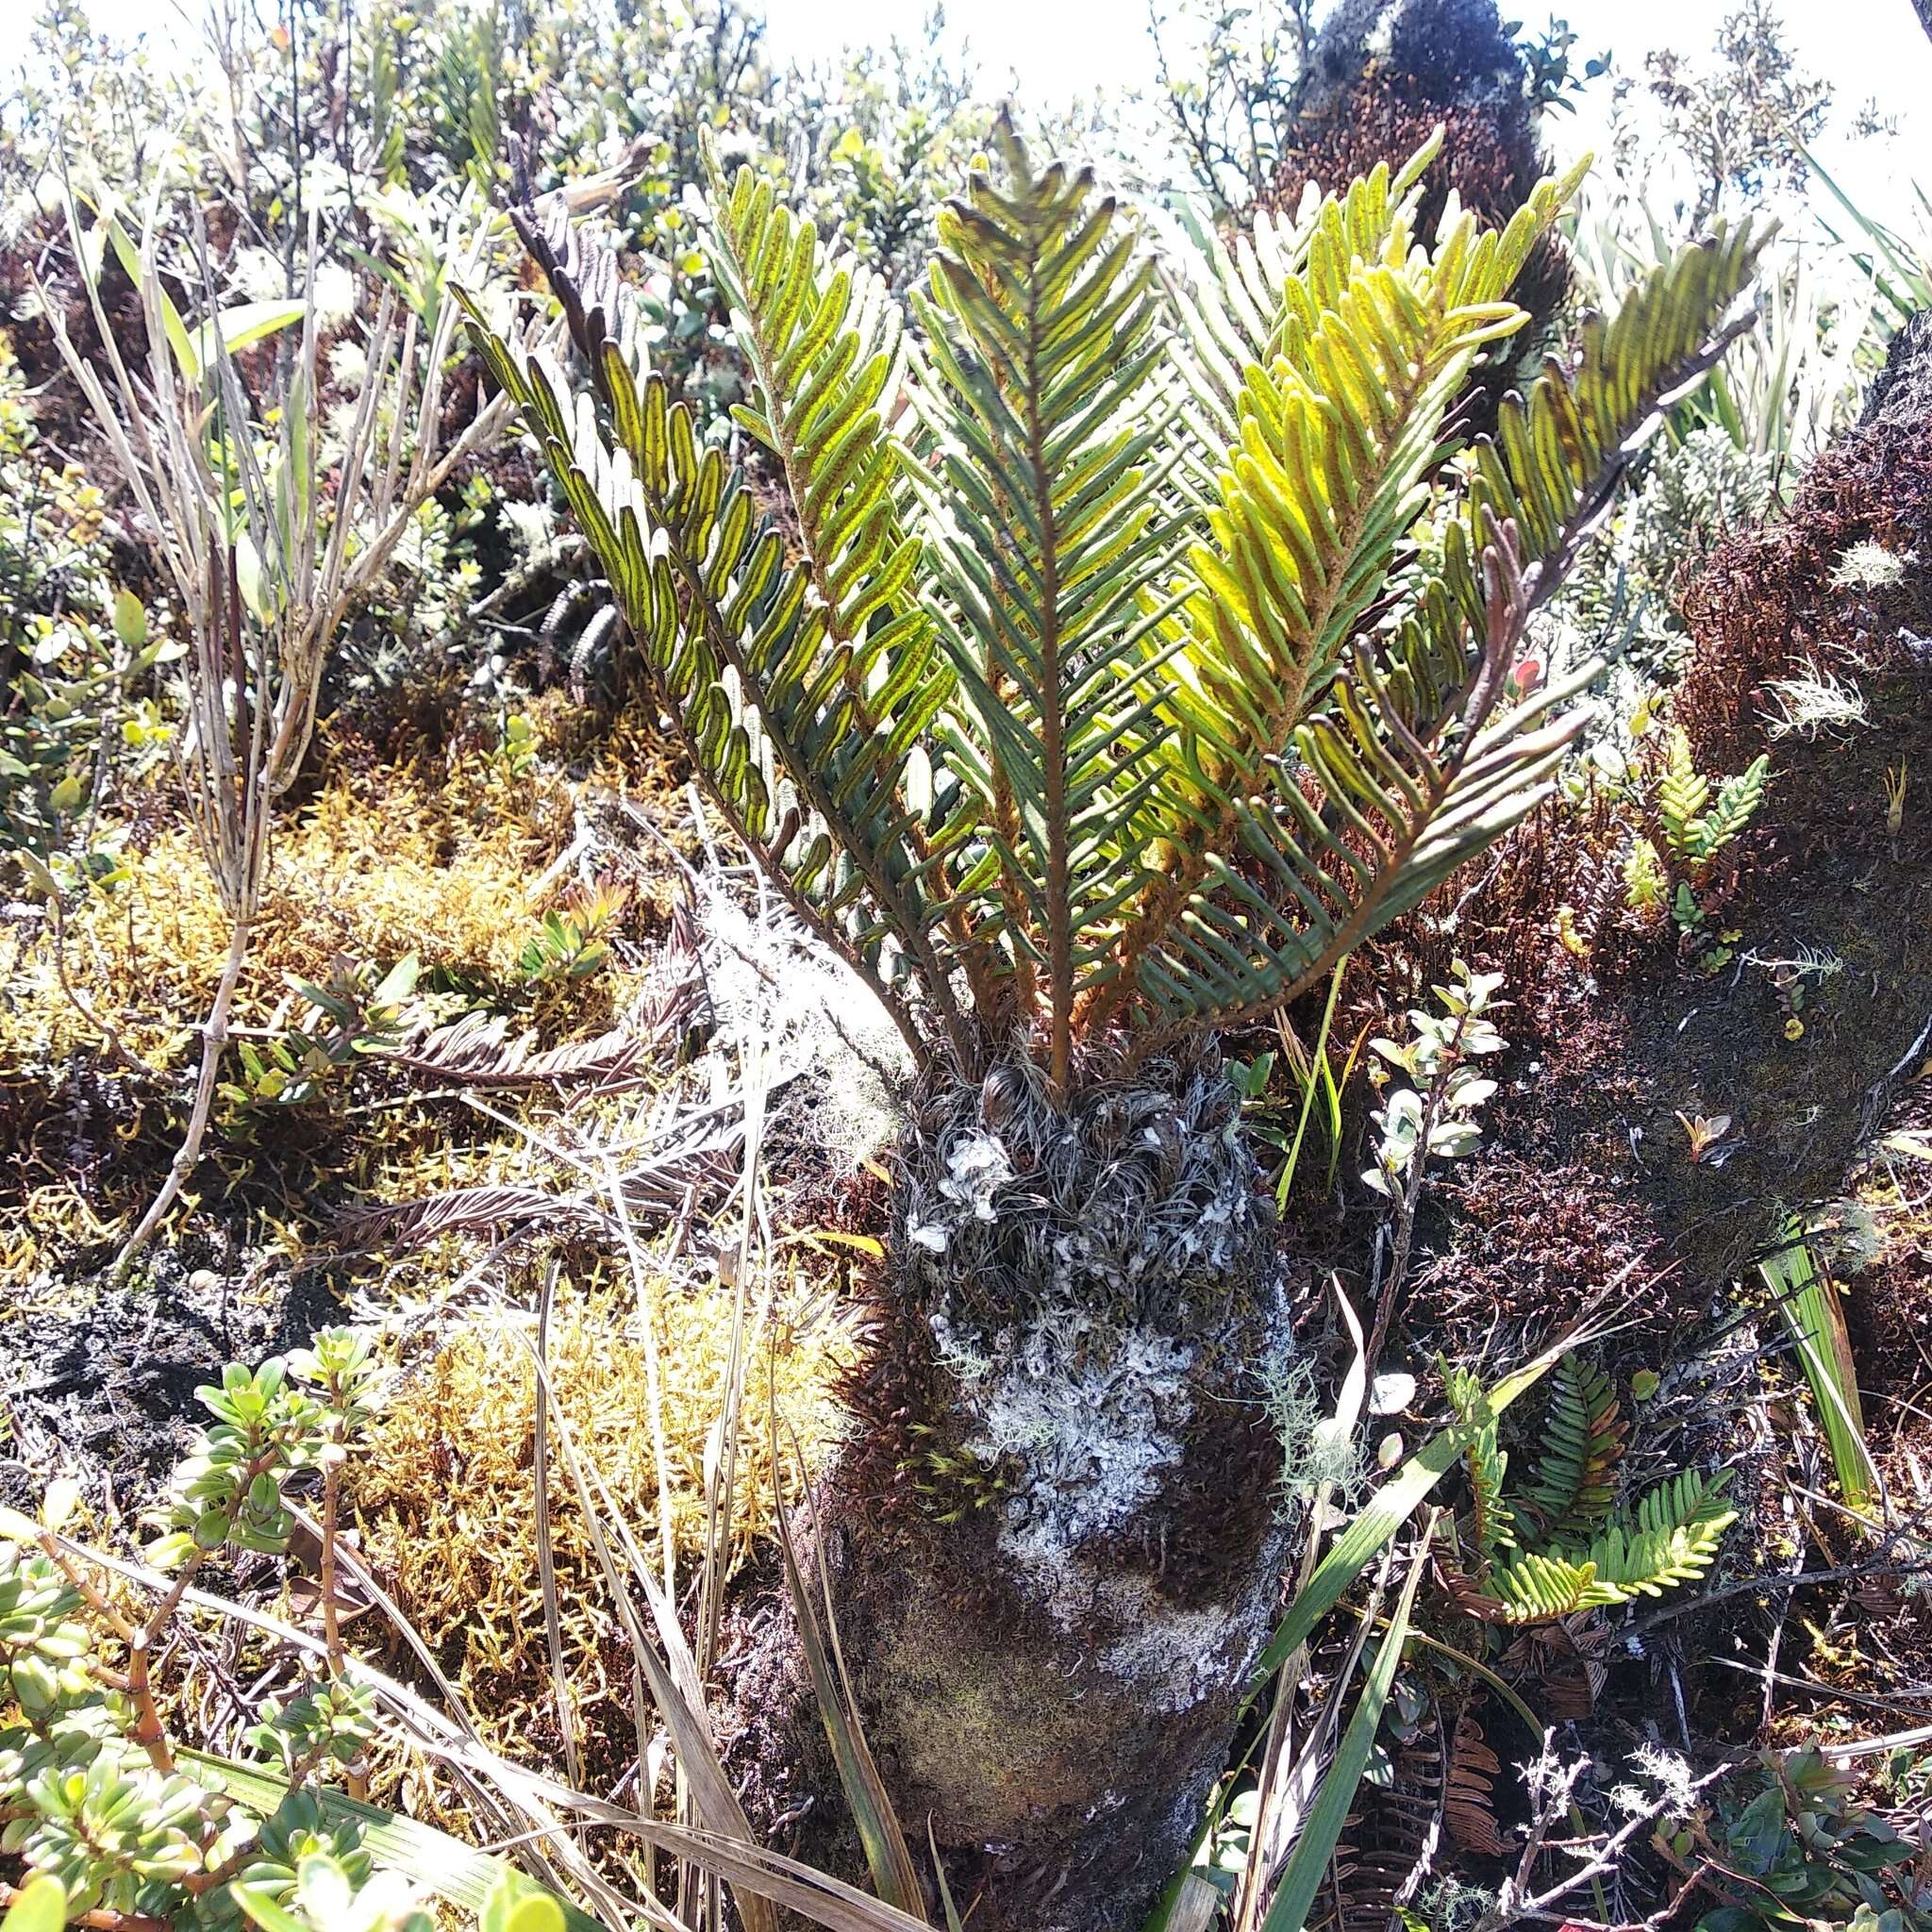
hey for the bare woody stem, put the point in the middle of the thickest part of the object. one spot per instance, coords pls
(214, 1037)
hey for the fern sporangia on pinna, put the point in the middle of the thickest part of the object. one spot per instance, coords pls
(1140, 644)
(1562, 1545)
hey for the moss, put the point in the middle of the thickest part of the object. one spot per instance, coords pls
(377, 862)
(444, 1501)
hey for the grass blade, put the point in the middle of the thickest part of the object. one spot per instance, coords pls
(886, 1853)
(1816, 1317)
(1301, 1877)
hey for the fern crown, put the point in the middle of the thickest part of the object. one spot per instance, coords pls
(1141, 639)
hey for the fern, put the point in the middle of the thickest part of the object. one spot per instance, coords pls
(1672, 1538)
(1493, 1525)
(1574, 1488)
(1693, 835)
(1100, 693)
(1681, 793)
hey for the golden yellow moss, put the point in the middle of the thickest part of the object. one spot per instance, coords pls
(444, 1498)
(381, 862)
(376, 866)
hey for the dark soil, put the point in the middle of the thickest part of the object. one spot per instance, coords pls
(101, 1384)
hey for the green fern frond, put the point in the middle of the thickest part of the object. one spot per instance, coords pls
(1737, 800)
(1043, 340)
(827, 353)
(1492, 1527)
(828, 357)
(1312, 796)
(761, 693)
(1678, 1528)
(1537, 1587)
(1574, 1488)
(1681, 796)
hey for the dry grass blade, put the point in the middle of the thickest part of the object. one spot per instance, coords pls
(546, 1555)
(677, 1688)
(886, 1851)
(498, 1793)
(474, 1051)
(235, 499)
(405, 1224)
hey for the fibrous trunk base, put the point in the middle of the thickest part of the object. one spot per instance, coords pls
(1052, 1539)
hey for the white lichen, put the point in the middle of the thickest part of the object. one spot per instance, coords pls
(1870, 567)
(1182, 1656)
(782, 1000)
(1815, 701)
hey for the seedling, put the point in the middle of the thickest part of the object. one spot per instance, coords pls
(1704, 1133)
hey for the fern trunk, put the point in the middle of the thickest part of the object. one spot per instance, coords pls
(1053, 1540)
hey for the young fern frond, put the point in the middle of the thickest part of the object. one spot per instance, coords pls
(1737, 800)
(1678, 1527)
(1492, 1525)
(1574, 1489)
(827, 352)
(1681, 795)
(1415, 765)
(1043, 341)
(1235, 302)
(1535, 1587)
(755, 683)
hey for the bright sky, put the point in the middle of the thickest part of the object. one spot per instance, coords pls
(1056, 49)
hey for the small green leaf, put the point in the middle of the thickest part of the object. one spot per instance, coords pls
(130, 620)
(40, 1906)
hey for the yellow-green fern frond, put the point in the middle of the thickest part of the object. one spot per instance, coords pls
(1674, 1539)
(1326, 772)
(1583, 1436)
(760, 692)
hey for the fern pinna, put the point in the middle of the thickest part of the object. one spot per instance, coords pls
(1142, 643)
(1583, 1553)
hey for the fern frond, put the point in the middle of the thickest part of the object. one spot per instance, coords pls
(827, 354)
(1536, 1587)
(816, 778)
(1234, 303)
(1574, 1488)
(1042, 336)
(1674, 1539)
(1492, 1525)
(1679, 1527)
(828, 357)
(1681, 795)
(1307, 803)
(1737, 800)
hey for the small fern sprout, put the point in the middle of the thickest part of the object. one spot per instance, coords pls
(1694, 822)
(1559, 1544)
